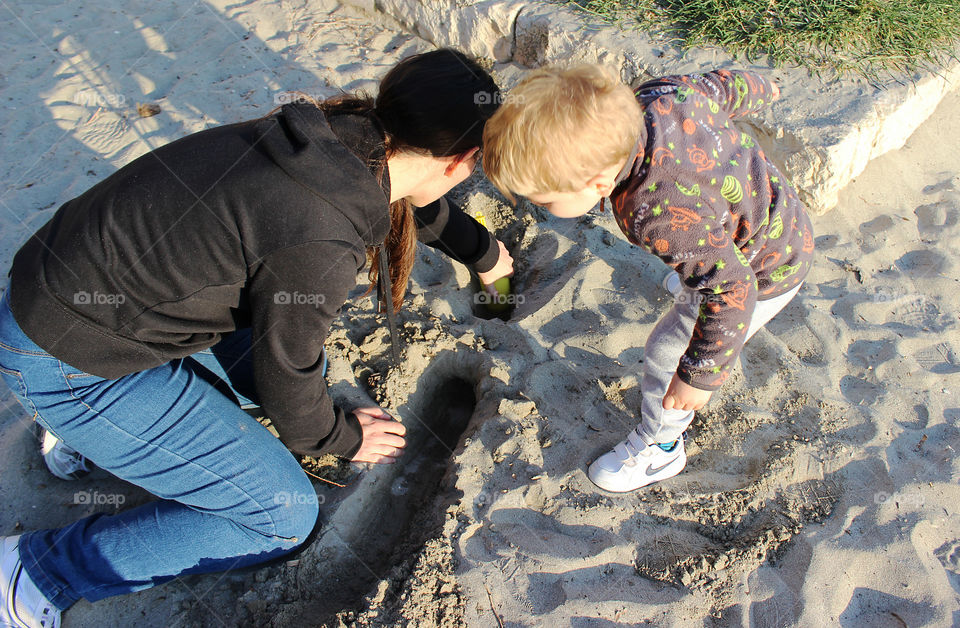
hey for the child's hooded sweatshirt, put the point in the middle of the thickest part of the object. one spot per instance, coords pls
(701, 195)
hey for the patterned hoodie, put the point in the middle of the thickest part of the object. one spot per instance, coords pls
(701, 195)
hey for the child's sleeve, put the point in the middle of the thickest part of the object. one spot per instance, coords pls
(707, 260)
(735, 91)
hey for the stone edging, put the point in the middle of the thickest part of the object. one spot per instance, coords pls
(823, 132)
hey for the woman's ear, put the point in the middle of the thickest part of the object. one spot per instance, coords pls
(462, 158)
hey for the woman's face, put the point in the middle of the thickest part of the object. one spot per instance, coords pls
(442, 174)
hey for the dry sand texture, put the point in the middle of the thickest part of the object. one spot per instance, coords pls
(822, 487)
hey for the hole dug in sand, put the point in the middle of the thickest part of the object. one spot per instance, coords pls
(375, 533)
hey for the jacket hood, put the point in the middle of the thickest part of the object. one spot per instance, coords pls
(300, 140)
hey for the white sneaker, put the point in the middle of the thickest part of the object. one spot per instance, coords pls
(22, 605)
(62, 461)
(634, 463)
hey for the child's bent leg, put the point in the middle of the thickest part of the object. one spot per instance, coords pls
(665, 345)
(766, 310)
(637, 460)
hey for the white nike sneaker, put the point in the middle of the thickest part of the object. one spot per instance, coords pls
(634, 463)
(22, 605)
(62, 461)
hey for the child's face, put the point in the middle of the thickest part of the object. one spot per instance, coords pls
(567, 204)
(578, 203)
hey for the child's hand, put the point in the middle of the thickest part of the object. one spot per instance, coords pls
(382, 436)
(683, 396)
(774, 91)
(503, 268)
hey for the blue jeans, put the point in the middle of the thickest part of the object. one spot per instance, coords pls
(231, 495)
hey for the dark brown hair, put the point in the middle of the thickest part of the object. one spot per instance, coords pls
(434, 103)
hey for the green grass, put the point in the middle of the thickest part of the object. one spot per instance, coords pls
(871, 38)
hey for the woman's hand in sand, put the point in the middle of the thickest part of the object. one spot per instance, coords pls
(503, 268)
(383, 440)
(683, 396)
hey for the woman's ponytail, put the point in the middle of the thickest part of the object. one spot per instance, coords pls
(433, 103)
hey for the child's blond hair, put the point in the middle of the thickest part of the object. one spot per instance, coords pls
(559, 128)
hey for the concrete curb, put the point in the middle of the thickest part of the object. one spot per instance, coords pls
(823, 132)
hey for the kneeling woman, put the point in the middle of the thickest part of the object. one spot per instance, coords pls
(205, 275)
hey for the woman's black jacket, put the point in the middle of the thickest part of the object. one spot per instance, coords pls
(260, 224)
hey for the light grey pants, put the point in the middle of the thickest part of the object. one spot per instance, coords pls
(667, 343)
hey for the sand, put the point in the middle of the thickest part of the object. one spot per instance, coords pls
(822, 485)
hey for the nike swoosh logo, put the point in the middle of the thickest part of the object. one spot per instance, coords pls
(651, 470)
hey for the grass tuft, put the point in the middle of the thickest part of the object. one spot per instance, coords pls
(871, 38)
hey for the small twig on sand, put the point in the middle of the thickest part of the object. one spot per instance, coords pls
(324, 479)
(490, 597)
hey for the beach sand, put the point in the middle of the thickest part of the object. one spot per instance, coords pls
(822, 484)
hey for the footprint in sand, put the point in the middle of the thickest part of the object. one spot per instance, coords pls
(949, 556)
(923, 264)
(873, 230)
(870, 607)
(860, 392)
(937, 219)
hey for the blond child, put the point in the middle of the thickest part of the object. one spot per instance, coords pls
(685, 184)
